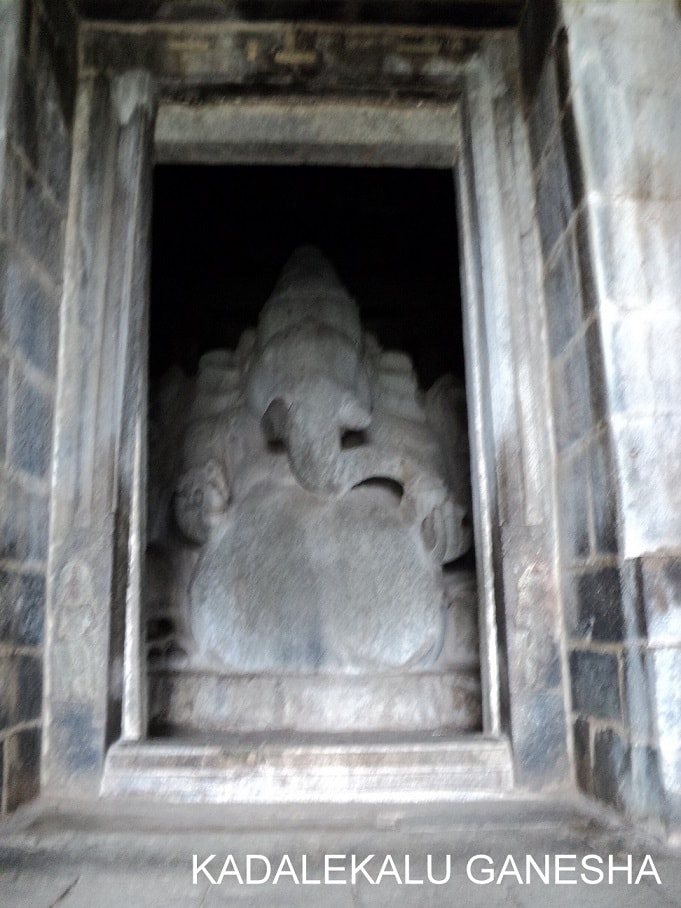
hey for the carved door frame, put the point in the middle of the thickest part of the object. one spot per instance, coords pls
(95, 687)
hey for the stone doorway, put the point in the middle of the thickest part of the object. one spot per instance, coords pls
(106, 311)
(405, 734)
(221, 236)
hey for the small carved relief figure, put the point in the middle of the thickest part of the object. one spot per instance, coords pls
(75, 672)
(318, 494)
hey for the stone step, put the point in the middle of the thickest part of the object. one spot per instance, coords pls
(260, 769)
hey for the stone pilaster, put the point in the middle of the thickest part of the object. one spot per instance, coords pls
(510, 420)
(100, 425)
(36, 83)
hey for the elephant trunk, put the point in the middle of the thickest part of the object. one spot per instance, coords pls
(314, 452)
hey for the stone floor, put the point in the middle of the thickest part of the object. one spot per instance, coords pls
(138, 855)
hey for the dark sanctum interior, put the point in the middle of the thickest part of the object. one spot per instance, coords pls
(221, 236)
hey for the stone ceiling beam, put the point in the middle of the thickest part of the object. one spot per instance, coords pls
(197, 58)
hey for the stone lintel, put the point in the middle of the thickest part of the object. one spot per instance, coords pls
(312, 57)
(335, 131)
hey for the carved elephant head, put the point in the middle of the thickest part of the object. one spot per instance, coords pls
(311, 427)
(308, 380)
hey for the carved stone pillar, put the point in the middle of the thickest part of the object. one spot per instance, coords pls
(97, 523)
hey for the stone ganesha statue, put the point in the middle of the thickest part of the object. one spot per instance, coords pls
(311, 497)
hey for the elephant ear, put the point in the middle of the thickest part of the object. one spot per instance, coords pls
(274, 420)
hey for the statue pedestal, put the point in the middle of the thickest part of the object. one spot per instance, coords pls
(188, 701)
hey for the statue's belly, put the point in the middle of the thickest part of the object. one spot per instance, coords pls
(297, 583)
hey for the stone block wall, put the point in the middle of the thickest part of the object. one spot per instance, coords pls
(625, 61)
(593, 620)
(601, 89)
(36, 92)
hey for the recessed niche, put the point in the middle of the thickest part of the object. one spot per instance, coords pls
(310, 563)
